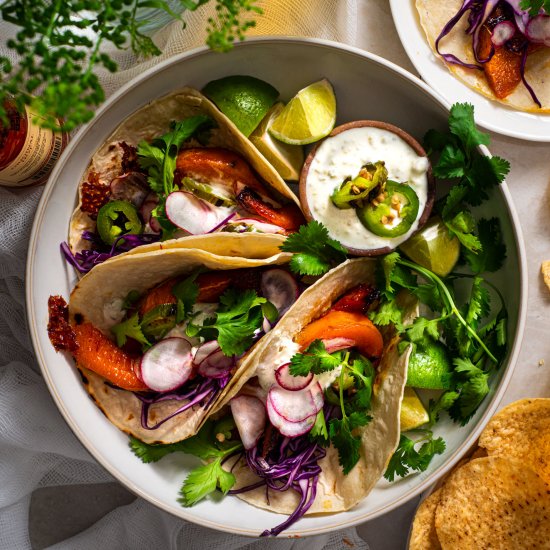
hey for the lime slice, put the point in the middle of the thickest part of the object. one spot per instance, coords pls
(429, 367)
(245, 100)
(432, 247)
(413, 414)
(309, 116)
(286, 159)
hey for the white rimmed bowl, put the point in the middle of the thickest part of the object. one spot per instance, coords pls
(367, 87)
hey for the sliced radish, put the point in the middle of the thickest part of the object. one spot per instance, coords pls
(280, 288)
(205, 350)
(289, 429)
(216, 365)
(195, 215)
(317, 395)
(289, 382)
(336, 344)
(147, 208)
(250, 416)
(167, 365)
(259, 225)
(538, 29)
(502, 33)
(294, 406)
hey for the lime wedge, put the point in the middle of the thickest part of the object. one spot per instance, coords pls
(309, 116)
(429, 367)
(245, 100)
(286, 159)
(432, 247)
(413, 413)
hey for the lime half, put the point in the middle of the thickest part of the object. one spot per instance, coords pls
(432, 247)
(286, 159)
(309, 116)
(429, 367)
(245, 100)
(413, 413)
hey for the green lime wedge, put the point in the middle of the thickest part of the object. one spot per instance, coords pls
(413, 413)
(433, 248)
(309, 116)
(429, 367)
(245, 100)
(286, 159)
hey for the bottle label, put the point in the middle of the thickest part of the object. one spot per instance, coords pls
(40, 151)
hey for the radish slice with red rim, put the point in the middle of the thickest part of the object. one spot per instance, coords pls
(538, 29)
(167, 365)
(289, 429)
(216, 365)
(289, 382)
(336, 344)
(280, 288)
(502, 33)
(317, 395)
(293, 406)
(194, 215)
(250, 416)
(205, 350)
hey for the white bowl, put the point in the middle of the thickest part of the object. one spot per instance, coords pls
(367, 87)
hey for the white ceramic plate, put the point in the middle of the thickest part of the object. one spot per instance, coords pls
(366, 87)
(492, 115)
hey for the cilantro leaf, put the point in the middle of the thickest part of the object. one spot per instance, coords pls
(314, 251)
(186, 293)
(344, 441)
(389, 312)
(462, 125)
(237, 319)
(462, 226)
(153, 453)
(451, 163)
(434, 140)
(444, 403)
(129, 329)
(319, 432)
(315, 359)
(407, 458)
(159, 157)
(204, 480)
(493, 250)
(472, 393)
(422, 326)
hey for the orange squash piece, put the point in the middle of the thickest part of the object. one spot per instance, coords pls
(99, 354)
(344, 324)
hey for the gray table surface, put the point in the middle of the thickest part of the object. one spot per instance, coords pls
(529, 179)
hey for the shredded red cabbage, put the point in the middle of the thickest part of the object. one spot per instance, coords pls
(292, 464)
(480, 12)
(85, 260)
(202, 392)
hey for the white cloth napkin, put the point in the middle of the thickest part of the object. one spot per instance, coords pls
(37, 449)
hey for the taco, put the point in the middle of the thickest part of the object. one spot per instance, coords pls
(160, 337)
(290, 466)
(495, 47)
(174, 168)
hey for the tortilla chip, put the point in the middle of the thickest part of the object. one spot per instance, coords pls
(545, 270)
(435, 14)
(521, 431)
(153, 120)
(423, 533)
(493, 502)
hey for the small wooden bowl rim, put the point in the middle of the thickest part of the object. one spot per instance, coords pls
(419, 150)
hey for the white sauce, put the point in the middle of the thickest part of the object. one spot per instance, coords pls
(280, 351)
(342, 156)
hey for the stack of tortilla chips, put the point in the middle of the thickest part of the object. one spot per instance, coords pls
(499, 497)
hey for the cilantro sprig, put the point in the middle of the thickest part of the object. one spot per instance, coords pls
(534, 6)
(357, 374)
(57, 60)
(204, 479)
(471, 173)
(314, 251)
(158, 159)
(407, 457)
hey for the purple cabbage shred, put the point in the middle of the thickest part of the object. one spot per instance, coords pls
(85, 260)
(202, 392)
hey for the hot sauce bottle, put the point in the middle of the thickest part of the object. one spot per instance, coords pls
(27, 151)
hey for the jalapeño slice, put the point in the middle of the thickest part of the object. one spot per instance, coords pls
(118, 218)
(400, 202)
